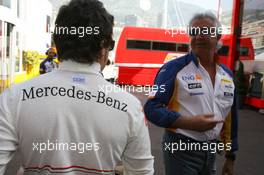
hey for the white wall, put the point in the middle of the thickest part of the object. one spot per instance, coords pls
(31, 24)
(34, 25)
(9, 14)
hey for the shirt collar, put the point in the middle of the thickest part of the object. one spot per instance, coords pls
(196, 59)
(94, 68)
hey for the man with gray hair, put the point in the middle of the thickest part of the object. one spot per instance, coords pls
(197, 105)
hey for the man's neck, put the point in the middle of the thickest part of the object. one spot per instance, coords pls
(208, 62)
(207, 59)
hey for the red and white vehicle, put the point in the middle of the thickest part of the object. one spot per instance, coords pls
(142, 51)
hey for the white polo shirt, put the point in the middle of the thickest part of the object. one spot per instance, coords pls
(69, 122)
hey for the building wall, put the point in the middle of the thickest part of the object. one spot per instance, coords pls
(8, 14)
(22, 27)
(35, 36)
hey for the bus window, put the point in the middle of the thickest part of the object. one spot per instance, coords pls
(182, 47)
(164, 46)
(138, 44)
(243, 51)
(223, 51)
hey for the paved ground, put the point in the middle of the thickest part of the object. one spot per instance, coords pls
(251, 143)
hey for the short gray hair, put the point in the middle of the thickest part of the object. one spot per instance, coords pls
(210, 15)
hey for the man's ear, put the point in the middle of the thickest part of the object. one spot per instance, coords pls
(101, 54)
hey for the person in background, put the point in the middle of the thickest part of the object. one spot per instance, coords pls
(48, 64)
(195, 97)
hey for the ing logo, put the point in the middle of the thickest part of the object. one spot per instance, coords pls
(192, 77)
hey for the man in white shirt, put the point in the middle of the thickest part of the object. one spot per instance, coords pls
(68, 121)
(196, 105)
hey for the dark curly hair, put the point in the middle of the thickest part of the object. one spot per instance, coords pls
(89, 14)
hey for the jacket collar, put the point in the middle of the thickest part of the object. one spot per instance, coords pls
(68, 65)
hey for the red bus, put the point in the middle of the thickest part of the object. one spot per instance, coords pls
(142, 51)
